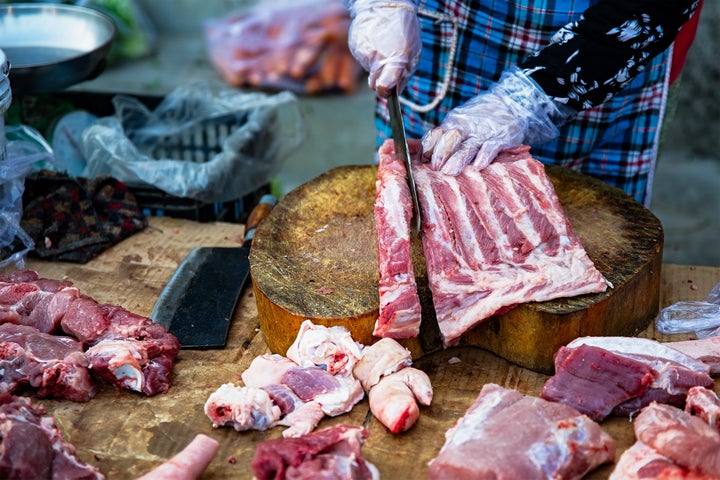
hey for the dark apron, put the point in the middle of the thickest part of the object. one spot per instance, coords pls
(466, 46)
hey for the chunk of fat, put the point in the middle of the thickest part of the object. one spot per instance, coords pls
(330, 348)
(384, 357)
(243, 408)
(266, 369)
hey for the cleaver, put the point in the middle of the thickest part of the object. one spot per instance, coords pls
(198, 302)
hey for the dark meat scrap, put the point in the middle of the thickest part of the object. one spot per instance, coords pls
(505, 434)
(495, 239)
(53, 365)
(31, 446)
(399, 309)
(332, 452)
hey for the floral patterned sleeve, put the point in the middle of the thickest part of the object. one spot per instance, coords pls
(591, 59)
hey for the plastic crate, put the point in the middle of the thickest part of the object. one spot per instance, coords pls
(198, 145)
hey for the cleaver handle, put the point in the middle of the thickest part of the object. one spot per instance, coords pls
(257, 215)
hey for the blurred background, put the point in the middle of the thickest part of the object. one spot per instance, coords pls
(338, 124)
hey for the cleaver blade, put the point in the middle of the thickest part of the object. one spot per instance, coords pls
(198, 302)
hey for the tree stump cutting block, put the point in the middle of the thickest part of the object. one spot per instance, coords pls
(315, 257)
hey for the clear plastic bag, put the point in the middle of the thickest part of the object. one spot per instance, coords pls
(204, 142)
(692, 316)
(26, 149)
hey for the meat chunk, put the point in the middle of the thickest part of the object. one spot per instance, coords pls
(53, 365)
(189, 463)
(394, 399)
(31, 445)
(600, 376)
(642, 462)
(704, 404)
(685, 439)
(505, 434)
(495, 239)
(333, 452)
(399, 314)
(296, 392)
(394, 388)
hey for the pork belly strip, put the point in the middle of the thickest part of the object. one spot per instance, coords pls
(400, 312)
(505, 434)
(497, 238)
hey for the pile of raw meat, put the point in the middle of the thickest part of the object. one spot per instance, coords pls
(492, 240)
(31, 446)
(64, 344)
(324, 373)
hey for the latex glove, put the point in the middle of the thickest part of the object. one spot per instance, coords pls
(384, 37)
(512, 111)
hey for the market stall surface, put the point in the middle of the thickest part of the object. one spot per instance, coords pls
(127, 434)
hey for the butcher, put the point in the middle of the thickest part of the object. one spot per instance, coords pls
(585, 83)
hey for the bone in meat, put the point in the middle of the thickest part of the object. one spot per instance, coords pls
(399, 313)
(243, 408)
(495, 239)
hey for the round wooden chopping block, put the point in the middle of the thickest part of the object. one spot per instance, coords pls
(315, 257)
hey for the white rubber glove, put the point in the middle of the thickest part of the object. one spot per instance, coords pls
(384, 38)
(512, 111)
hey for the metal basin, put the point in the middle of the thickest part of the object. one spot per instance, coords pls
(53, 46)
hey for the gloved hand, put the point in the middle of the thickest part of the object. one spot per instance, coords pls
(512, 111)
(384, 38)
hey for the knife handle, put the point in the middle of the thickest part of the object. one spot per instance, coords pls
(257, 215)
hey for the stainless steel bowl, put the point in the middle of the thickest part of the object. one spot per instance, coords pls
(53, 46)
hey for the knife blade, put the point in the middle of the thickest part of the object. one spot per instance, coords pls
(401, 151)
(197, 303)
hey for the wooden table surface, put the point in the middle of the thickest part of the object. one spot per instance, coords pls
(126, 434)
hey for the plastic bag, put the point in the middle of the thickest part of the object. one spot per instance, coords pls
(301, 47)
(26, 149)
(692, 316)
(202, 142)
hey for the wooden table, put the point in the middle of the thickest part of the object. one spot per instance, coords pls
(126, 434)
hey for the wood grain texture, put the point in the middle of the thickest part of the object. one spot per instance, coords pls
(315, 257)
(127, 434)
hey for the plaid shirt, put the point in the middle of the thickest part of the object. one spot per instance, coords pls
(618, 84)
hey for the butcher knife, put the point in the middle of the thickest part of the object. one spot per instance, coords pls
(198, 302)
(401, 151)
